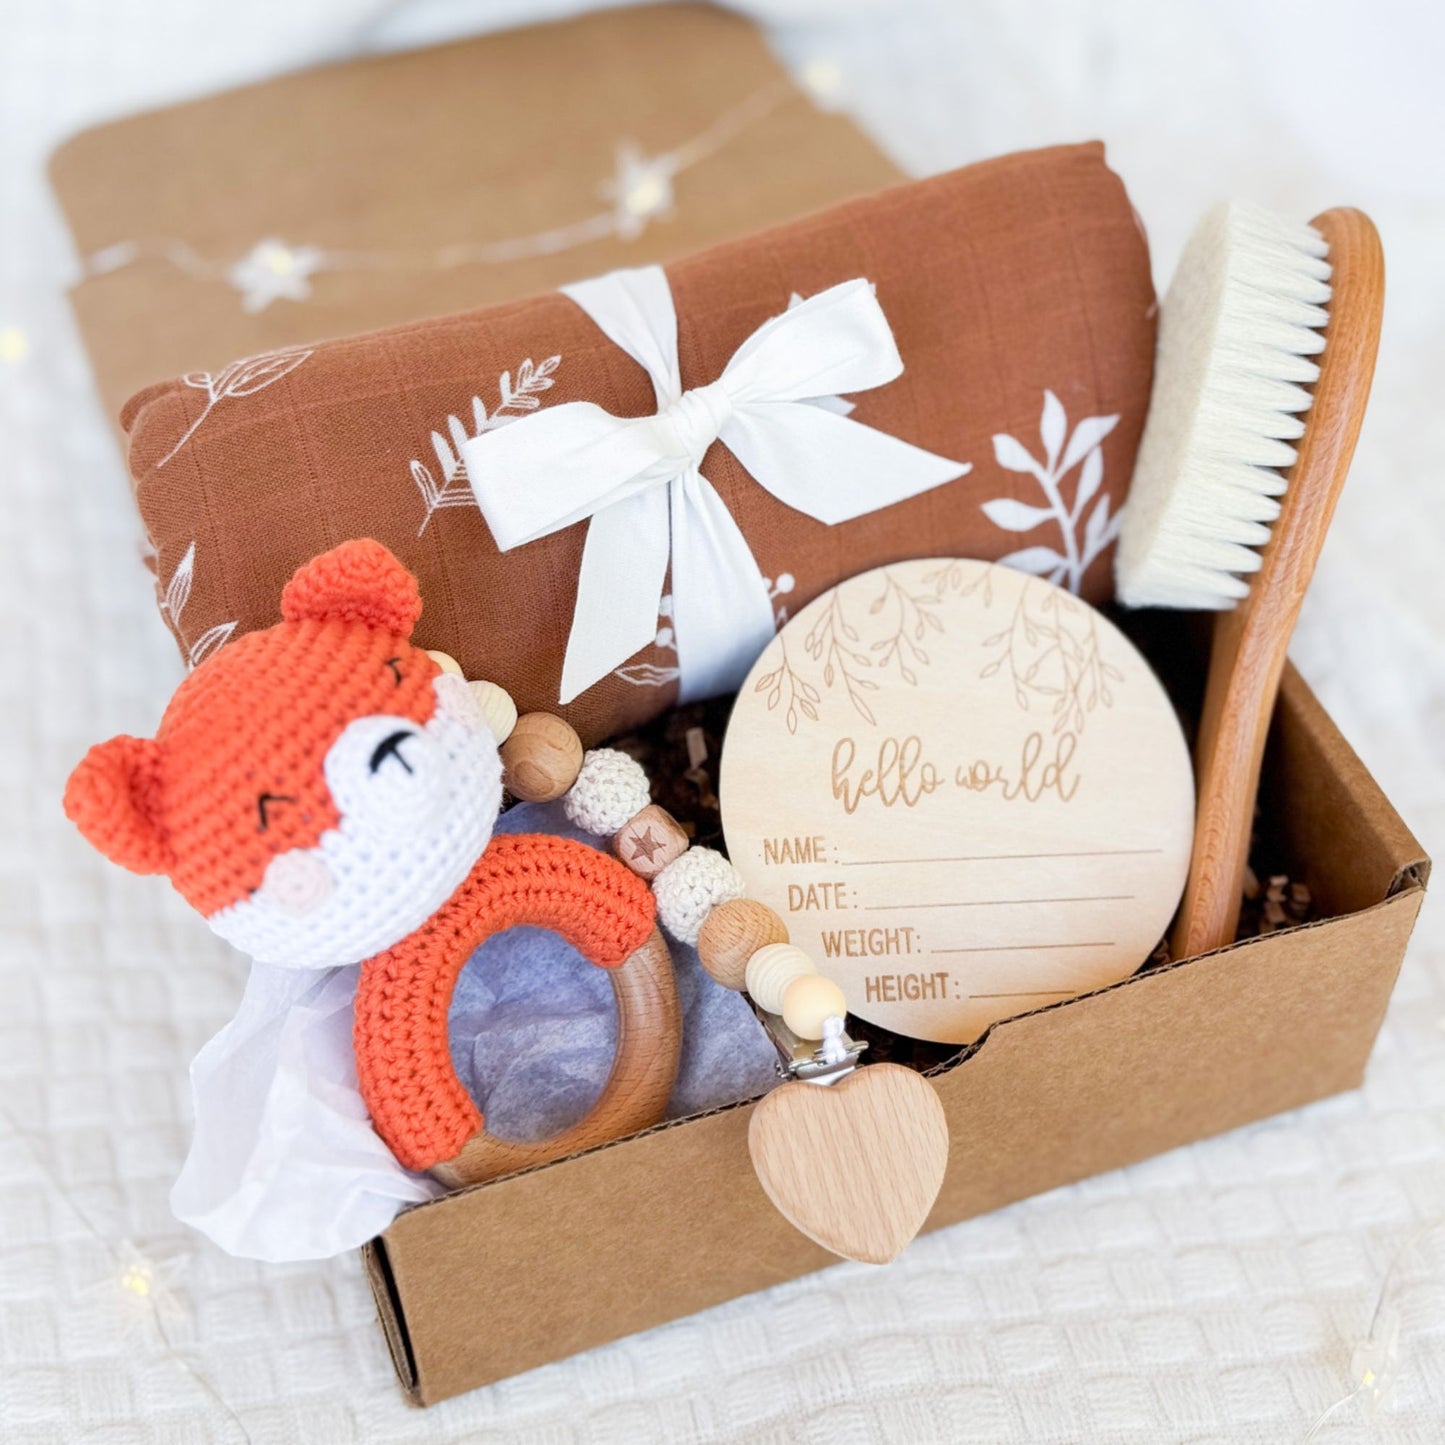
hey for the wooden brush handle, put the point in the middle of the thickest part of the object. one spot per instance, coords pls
(1250, 641)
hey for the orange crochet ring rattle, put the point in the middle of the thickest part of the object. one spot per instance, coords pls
(324, 793)
(403, 1060)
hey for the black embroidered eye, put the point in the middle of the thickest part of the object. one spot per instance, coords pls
(394, 663)
(390, 747)
(264, 801)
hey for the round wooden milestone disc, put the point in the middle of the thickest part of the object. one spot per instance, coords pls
(964, 791)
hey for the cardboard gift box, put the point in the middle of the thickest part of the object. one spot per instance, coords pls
(1171, 1055)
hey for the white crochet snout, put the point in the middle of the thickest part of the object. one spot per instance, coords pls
(416, 803)
(387, 774)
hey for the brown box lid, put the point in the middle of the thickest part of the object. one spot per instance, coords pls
(479, 141)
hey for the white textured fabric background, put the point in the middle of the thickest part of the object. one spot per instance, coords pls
(1210, 1295)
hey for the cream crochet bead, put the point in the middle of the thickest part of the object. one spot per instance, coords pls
(610, 789)
(690, 887)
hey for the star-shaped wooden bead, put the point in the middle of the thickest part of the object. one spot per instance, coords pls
(649, 841)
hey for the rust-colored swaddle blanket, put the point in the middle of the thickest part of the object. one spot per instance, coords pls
(1019, 296)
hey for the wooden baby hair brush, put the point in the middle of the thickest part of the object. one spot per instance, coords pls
(1235, 487)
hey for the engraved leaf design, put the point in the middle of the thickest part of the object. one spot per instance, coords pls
(1051, 650)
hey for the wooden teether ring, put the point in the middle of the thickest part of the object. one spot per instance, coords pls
(403, 1056)
(636, 1090)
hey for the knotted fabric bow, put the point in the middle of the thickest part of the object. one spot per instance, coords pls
(638, 479)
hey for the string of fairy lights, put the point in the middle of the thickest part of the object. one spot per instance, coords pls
(136, 1290)
(638, 193)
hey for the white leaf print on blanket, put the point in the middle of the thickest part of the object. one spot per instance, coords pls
(241, 378)
(173, 602)
(514, 399)
(1069, 565)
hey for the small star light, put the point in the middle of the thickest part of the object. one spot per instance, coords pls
(640, 190)
(140, 1289)
(271, 270)
(14, 345)
(823, 79)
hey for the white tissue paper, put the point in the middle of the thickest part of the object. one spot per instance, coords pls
(284, 1164)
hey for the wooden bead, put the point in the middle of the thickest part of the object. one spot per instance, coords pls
(445, 661)
(732, 933)
(542, 757)
(808, 1001)
(771, 969)
(649, 841)
(497, 707)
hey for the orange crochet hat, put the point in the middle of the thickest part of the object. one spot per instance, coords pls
(234, 775)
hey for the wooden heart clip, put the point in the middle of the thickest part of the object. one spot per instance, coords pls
(853, 1158)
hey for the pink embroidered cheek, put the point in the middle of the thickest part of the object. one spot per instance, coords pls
(297, 883)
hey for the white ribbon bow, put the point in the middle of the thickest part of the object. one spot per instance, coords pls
(558, 465)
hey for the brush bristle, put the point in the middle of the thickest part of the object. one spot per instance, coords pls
(1237, 330)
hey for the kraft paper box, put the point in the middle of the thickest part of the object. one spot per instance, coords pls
(474, 1287)
(478, 142)
(450, 144)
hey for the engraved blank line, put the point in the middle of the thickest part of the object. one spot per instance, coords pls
(1003, 857)
(1016, 948)
(1028, 993)
(994, 902)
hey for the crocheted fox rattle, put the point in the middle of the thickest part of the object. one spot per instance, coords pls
(323, 792)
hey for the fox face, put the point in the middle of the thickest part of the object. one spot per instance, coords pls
(316, 790)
